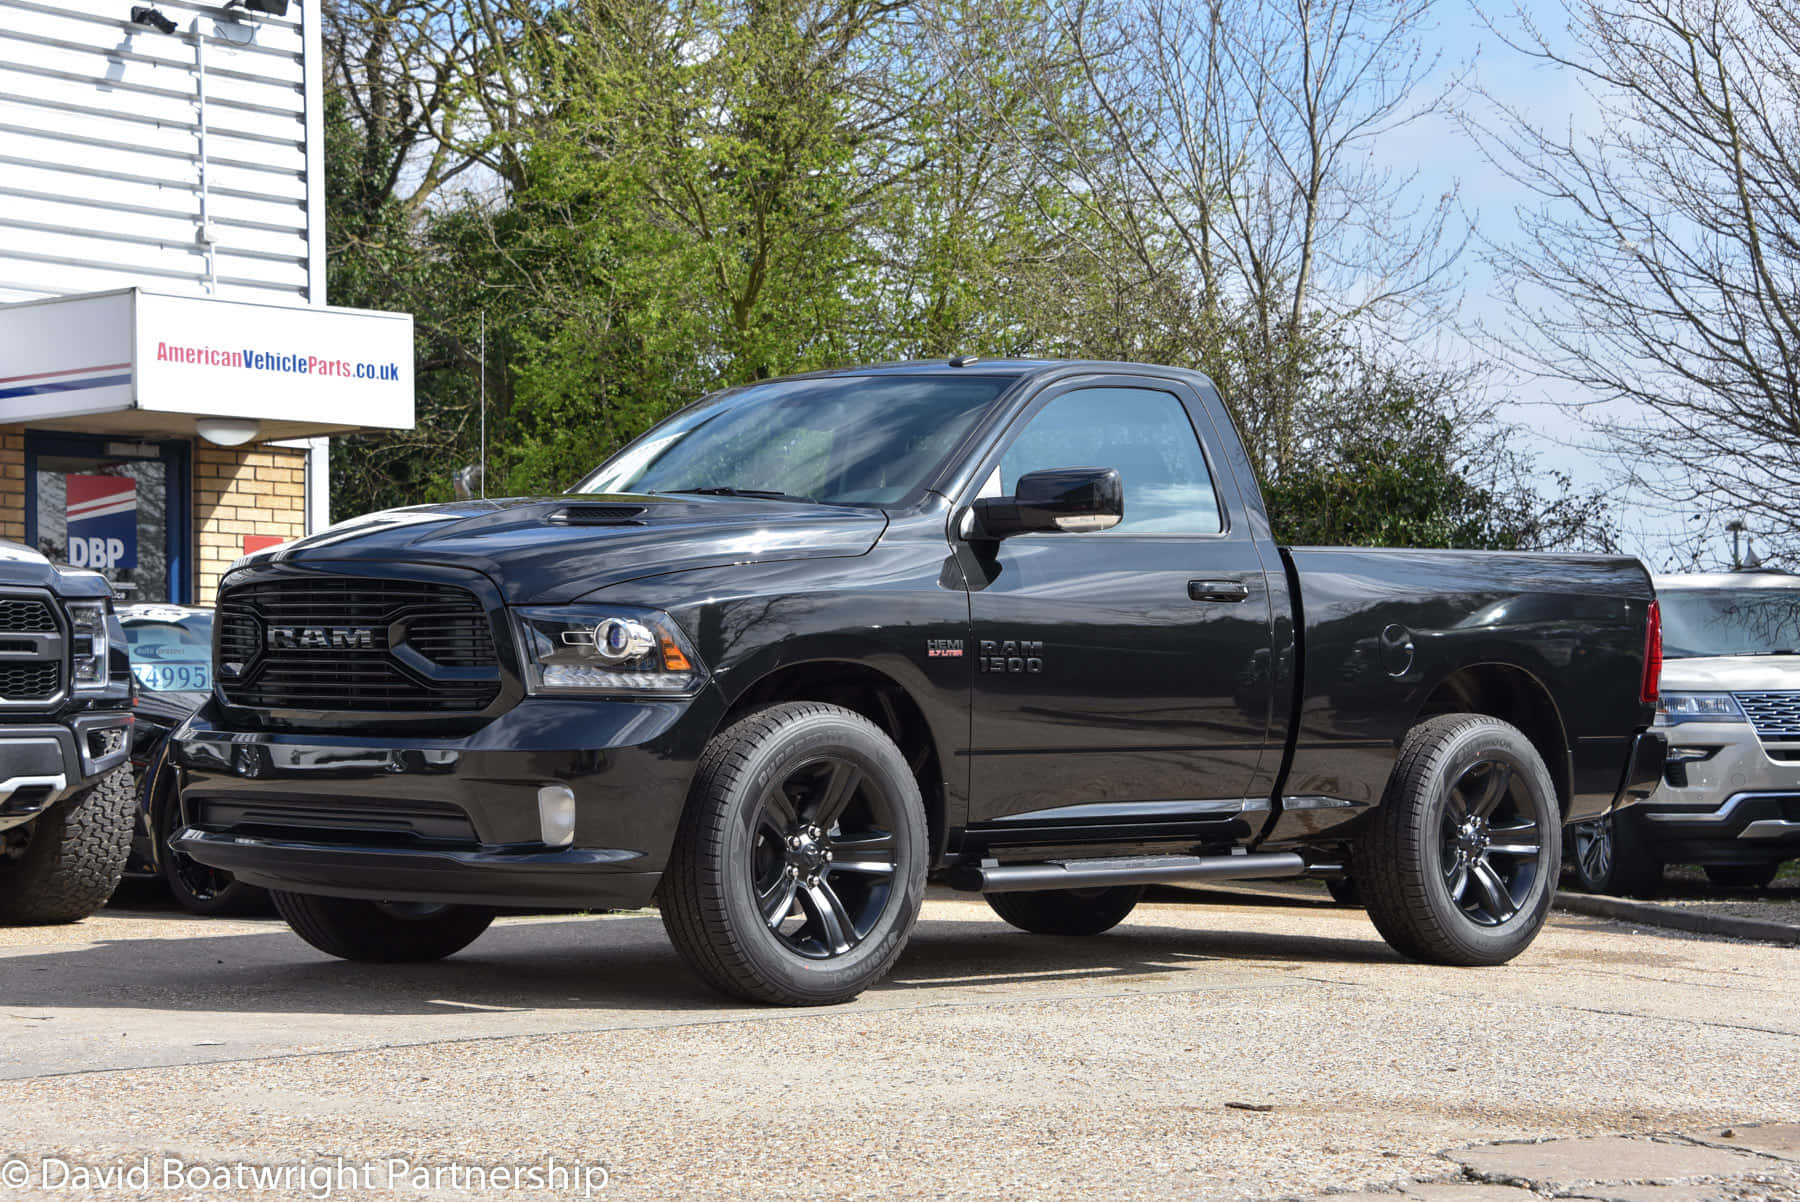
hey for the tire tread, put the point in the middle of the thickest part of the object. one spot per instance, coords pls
(76, 857)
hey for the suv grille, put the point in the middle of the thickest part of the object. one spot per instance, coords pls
(29, 682)
(323, 643)
(1775, 715)
(25, 617)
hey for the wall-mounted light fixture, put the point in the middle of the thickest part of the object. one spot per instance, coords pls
(227, 431)
(143, 14)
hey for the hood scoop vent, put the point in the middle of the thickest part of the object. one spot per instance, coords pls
(598, 515)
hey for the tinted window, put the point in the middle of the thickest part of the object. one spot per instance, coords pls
(843, 440)
(1145, 435)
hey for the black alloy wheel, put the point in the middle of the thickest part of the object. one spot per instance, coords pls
(823, 856)
(1608, 856)
(198, 889)
(1491, 844)
(1594, 849)
(799, 868)
(1458, 864)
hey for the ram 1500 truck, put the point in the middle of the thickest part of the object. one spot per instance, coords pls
(66, 801)
(1020, 627)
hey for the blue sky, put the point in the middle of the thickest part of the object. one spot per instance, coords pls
(1446, 157)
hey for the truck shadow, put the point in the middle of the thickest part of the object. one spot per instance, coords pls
(621, 963)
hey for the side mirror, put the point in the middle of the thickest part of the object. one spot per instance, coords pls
(1060, 499)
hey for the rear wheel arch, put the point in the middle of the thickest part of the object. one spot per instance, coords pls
(1518, 698)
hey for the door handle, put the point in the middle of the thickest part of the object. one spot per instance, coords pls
(1218, 590)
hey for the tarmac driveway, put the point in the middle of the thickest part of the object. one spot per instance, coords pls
(1270, 1048)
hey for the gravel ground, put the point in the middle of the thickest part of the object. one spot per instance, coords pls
(1686, 886)
(993, 1064)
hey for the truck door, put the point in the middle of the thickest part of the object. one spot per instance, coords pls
(1120, 675)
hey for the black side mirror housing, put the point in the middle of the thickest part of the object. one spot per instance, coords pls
(1064, 499)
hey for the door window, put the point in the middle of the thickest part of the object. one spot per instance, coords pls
(1142, 433)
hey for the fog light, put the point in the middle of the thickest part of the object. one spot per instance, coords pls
(556, 814)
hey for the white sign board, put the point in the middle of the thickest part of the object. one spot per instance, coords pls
(68, 358)
(230, 359)
(160, 362)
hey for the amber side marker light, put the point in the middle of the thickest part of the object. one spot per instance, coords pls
(673, 659)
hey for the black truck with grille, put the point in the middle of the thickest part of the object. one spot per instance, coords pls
(65, 733)
(1018, 627)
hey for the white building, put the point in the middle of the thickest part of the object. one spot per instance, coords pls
(167, 362)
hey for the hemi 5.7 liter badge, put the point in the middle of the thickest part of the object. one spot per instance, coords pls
(943, 648)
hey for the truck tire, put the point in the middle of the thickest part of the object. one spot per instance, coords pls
(1461, 857)
(799, 868)
(1066, 911)
(73, 855)
(382, 932)
(1606, 856)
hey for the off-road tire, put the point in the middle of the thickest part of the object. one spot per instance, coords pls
(74, 856)
(381, 932)
(708, 892)
(1402, 868)
(1067, 911)
(1625, 869)
(1741, 876)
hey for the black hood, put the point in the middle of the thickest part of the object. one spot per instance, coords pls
(555, 549)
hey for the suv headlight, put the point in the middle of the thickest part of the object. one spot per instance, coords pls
(1700, 707)
(91, 646)
(587, 649)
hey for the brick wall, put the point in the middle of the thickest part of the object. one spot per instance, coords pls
(12, 483)
(239, 491)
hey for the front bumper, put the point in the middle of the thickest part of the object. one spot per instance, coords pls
(454, 820)
(42, 764)
(1725, 798)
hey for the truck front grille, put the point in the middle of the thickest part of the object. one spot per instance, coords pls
(29, 682)
(355, 645)
(1775, 715)
(25, 617)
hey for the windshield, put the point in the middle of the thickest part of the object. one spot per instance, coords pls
(1761, 621)
(841, 440)
(173, 655)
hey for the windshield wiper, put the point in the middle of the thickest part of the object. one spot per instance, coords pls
(1751, 654)
(719, 491)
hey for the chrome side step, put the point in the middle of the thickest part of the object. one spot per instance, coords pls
(990, 877)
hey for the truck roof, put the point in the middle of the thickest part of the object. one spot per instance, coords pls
(992, 367)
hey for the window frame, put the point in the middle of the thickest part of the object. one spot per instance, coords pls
(1016, 425)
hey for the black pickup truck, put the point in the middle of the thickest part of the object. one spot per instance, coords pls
(66, 801)
(1016, 626)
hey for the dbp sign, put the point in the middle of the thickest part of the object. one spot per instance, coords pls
(102, 514)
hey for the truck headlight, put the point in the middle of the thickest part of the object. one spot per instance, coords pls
(606, 649)
(1700, 707)
(91, 647)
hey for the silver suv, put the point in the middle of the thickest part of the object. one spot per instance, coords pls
(1730, 796)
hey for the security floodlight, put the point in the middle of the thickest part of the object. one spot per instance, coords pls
(143, 14)
(268, 8)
